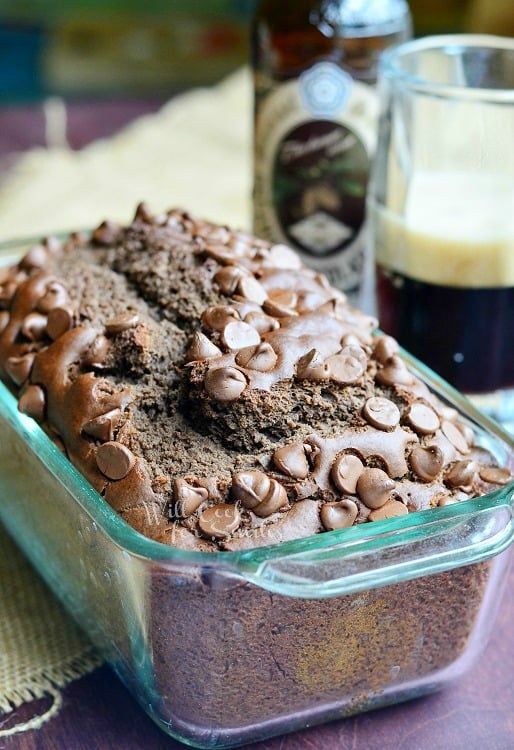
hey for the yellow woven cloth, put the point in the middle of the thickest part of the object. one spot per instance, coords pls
(194, 153)
(41, 649)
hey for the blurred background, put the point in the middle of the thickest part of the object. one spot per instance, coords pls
(157, 47)
(74, 71)
(123, 56)
(80, 47)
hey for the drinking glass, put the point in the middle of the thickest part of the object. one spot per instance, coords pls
(441, 208)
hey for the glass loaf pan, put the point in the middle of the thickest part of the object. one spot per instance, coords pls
(227, 648)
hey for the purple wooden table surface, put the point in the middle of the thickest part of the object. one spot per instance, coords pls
(25, 126)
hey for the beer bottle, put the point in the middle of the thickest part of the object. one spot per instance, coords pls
(314, 64)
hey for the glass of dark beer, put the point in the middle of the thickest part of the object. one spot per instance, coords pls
(441, 207)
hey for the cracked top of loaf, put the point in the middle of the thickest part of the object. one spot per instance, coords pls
(220, 395)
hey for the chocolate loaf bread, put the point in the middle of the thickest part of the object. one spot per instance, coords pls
(218, 394)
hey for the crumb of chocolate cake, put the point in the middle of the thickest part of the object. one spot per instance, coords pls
(176, 351)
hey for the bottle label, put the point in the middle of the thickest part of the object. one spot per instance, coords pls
(313, 140)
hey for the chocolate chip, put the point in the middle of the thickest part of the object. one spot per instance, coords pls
(426, 462)
(143, 213)
(281, 256)
(174, 220)
(219, 521)
(114, 460)
(467, 433)
(240, 242)
(284, 298)
(121, 323)
(102, 427)
(374, 487)
(7, 292)
(34, 326)
(455, 436)
(446, 500)
(339, 515)
(259, 492)
(187, 499)
(237, 335)
(356, 351)
(218, 234)
(76, 239)
(381, 413)
(4, 320)
(220, 253)
(216, 318)
(97, 352)
(422, 418)
(59, 320)
(225, 383)
(292, 460)
(201, 348)
(345, 368)
(18, 368)
(249, 288)
(278, 308)
(211, 485)
(36, 257)
(385, 348)
(394, 372)
(312, 366)
(350, 339)
(495, 475)
(55, 296)
(391, 509)
(250, 487)
(336, 308)
(261, 357)
(345, 472)
(108, 233)
(52, 244)
(461, 474)
(261, 322)
(32, 402)
(309, 301)
(227, 278)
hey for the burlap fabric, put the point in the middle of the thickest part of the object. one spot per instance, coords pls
(41, 649)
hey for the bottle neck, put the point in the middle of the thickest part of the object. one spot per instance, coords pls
(363, 18)
(291, 35)
(342, 18)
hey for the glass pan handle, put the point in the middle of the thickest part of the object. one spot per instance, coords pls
(388, 555)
